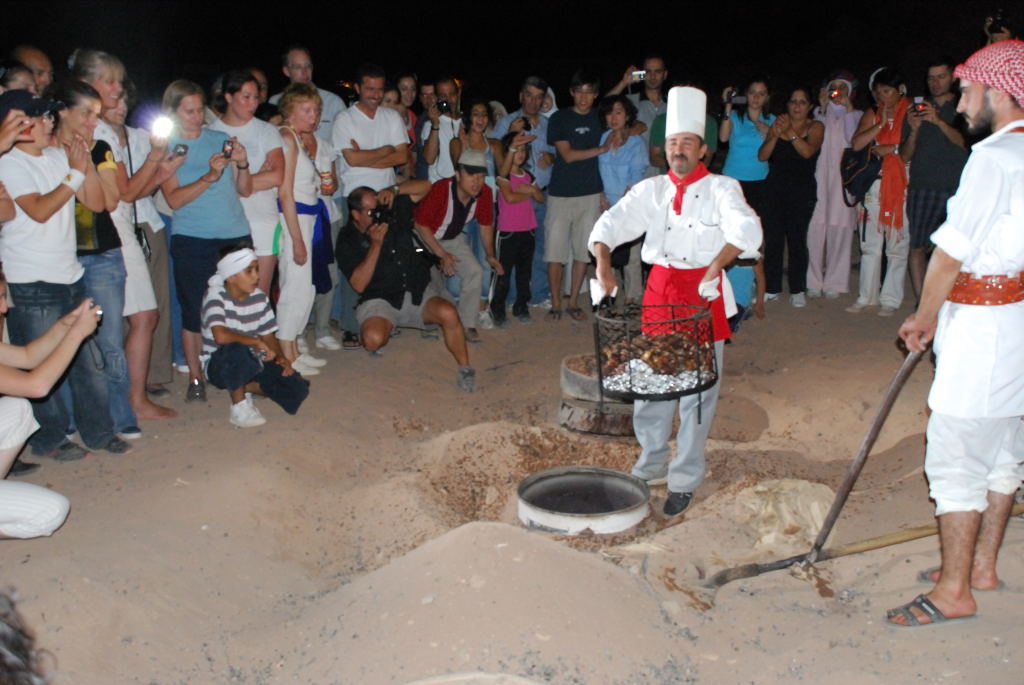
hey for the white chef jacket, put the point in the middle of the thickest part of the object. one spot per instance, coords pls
(714, 213)
(980, 348)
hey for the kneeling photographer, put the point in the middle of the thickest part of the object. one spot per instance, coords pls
(382, 259)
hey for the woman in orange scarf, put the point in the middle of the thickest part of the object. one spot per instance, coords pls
(881, 128)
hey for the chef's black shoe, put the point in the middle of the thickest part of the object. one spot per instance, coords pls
(677, 503)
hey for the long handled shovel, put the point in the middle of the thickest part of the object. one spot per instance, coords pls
(750, 570)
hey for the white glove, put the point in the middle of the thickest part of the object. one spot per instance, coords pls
(709, 289)
(597, 293)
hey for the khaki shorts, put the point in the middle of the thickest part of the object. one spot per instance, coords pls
(409, 316)
(567, 227)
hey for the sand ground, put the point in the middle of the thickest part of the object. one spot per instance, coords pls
(373, 538)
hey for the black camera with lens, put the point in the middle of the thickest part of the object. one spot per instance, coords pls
(381, 214)
(444, 107)
(527, 127)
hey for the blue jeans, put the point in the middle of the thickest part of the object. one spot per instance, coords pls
(104, 283)
(177, 351)
(37, 307)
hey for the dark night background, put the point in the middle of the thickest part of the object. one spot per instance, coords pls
(491, 45)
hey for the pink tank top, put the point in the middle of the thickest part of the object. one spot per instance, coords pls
(516, 216)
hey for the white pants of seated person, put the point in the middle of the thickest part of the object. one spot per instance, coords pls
(26, 510)
(652, 424)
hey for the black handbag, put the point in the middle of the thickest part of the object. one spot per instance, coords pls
(858, 170)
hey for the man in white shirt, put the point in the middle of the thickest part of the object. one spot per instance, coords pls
(973, 305)
(370, 140)
(696, 223)
(443, 121)
(297, 65)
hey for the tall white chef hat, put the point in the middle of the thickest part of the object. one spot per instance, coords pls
(687, 109)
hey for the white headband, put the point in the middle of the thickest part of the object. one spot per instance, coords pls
(231, 264)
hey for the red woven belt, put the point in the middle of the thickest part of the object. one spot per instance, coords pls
(987, 290)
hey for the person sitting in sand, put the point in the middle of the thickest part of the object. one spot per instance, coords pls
(238, 337)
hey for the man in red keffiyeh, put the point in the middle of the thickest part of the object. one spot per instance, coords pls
(696, 223)
(973, 305)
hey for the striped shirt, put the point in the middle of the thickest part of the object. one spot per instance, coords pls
(251, 316)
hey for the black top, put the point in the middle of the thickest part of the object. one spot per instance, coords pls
(582, 131)
(95, 231)
(789, 169)
(400, 269)
(937, 162)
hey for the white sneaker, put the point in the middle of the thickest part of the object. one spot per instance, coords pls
(886, 311)
(857, 307)
(328, 342)
(798, 300)
(812, 293)
(302, 344)
(305, 369)
(485, 321)
(246, 415)
(769, 297)
(310, 360)
(831, 295)
(181, 368)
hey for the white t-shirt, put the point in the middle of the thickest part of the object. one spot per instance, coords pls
(31, 251)
(138, 141)
(385, 128)
(442, 166)
(259, 139)
(105, 133)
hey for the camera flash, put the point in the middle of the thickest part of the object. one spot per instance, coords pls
(162, 127)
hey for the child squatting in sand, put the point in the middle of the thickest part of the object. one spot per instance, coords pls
(238, 338)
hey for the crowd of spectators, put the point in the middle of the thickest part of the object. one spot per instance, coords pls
(412, 204)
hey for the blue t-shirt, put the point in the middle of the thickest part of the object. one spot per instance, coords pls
(582, 131)
(744, 142)
(623, 167)
(217, 213)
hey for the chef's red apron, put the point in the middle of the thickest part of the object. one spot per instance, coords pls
(666, 285)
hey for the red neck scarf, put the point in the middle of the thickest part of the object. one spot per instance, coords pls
(699, 172)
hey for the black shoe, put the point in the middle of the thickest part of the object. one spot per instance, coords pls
(196, 391)
(117, 446)
(23, 468)
(677, 503)
(68, 451)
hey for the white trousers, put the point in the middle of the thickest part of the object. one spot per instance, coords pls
(26, 510)
(968, 457)
(872, 242)
(295, 301)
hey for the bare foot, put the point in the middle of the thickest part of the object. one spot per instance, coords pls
(984, 581)
(949, 607)
(148, 410)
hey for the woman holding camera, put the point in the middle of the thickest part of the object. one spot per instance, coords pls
(146, 303)
(745, 125)
(791, 149)
(237, 102)
(204, 193)
(880, 129)
(833, 222)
